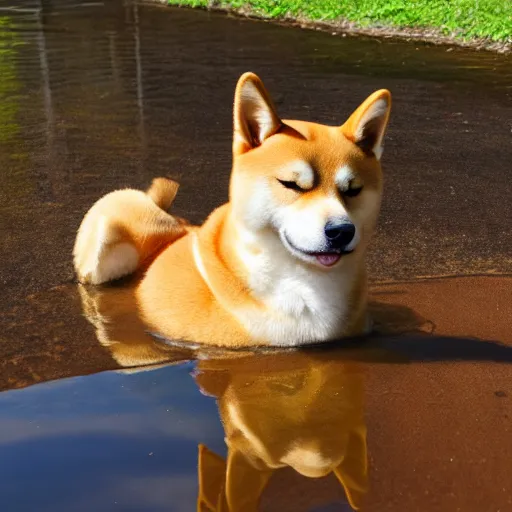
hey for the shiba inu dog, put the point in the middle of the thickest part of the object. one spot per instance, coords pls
(283, 262)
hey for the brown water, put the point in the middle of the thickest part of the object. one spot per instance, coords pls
(96, 96)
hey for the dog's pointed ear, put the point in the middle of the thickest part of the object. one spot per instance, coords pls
(244, 483)
(255, 117)
(211, 476)
(352, 473)
(367, 125)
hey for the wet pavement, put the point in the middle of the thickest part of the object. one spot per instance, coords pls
(98, 96)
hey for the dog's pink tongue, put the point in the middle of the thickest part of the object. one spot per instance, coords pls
(328, 259)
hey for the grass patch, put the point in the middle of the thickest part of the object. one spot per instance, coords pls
(466, 19)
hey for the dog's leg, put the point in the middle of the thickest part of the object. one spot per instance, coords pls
(124, 229)
(111, 254)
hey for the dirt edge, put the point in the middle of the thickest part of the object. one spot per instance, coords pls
(343, 28)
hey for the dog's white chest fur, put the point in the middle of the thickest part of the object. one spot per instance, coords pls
(303, 304)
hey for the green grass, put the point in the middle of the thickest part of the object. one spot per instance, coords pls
(467, 19)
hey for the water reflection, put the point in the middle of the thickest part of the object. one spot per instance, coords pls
(299, 410)
(112, 310)
(9, 84)
(290, 409)
(294, 421)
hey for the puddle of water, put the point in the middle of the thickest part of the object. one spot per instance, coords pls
(417, 405)
(98, 96)
(104, 442)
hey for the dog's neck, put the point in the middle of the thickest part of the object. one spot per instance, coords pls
(260, 282)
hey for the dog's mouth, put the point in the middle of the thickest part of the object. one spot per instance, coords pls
(324, 258)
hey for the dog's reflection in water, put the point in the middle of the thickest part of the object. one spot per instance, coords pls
(300, 410)
(293, 420)
(113, 312)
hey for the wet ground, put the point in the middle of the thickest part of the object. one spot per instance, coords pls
(98, 96)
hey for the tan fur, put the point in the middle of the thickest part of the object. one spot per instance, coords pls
(234, 281)
(163, 191)
(125, 218)
(306, 414)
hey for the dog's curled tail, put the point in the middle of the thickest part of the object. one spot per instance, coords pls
(163, 191)
(124, 231)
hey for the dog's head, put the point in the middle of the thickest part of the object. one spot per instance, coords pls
(318, 188)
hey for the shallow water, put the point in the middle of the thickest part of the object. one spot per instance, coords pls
(98, 96)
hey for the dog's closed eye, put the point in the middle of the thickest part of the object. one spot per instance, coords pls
(352, 191)
(292, 185)
(350, 186)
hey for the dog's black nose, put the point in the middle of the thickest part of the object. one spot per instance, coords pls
(339, 235)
